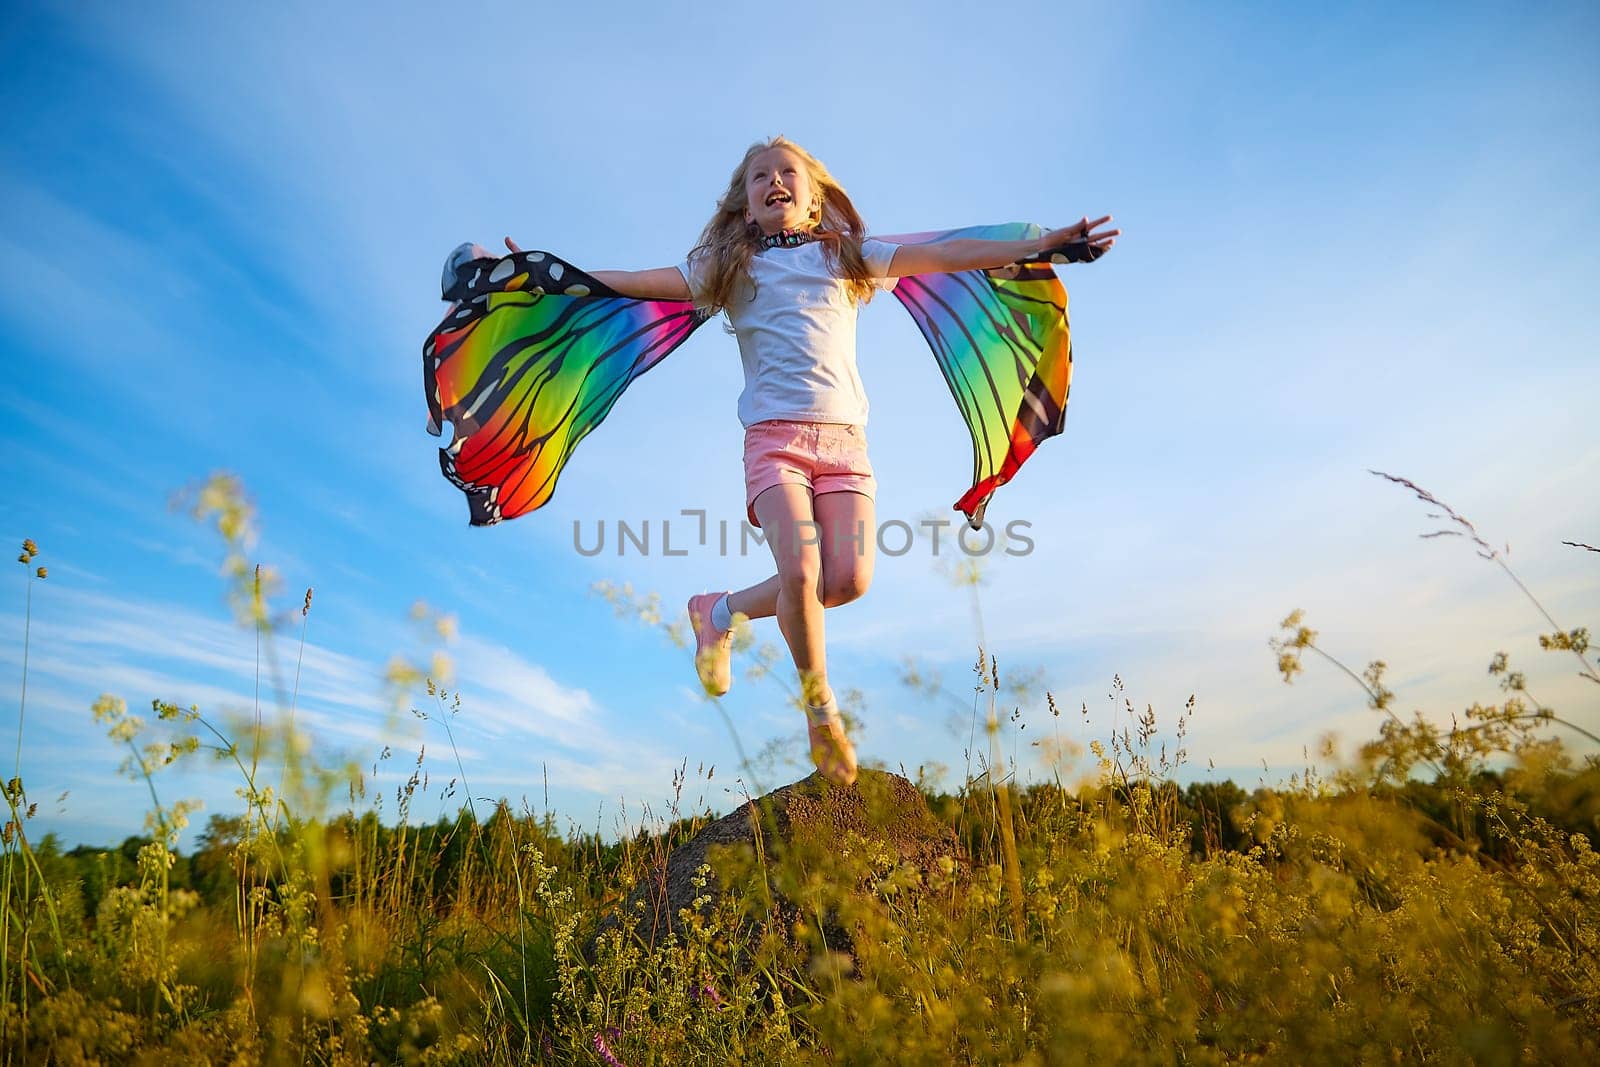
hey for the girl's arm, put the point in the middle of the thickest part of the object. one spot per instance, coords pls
(971, 253)
(661, 283)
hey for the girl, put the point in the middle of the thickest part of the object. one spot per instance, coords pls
(787, 258)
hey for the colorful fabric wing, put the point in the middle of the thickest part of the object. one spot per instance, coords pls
(1002, 341)
(534, 352)
(527, 362)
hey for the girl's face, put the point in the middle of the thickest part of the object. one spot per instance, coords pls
(779, 194)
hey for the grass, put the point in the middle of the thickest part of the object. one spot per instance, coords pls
(1436, 898)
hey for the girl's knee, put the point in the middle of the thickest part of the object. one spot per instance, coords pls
(845, 587)
(800, 579)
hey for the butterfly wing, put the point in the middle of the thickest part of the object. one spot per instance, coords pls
(529, 359)
(1003, 343)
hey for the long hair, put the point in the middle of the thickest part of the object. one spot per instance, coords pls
(728, 241)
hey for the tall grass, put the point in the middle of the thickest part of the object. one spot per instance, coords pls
(1435, 897)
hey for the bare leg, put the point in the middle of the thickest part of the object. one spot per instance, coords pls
(786, 515)
(849, 536)
(759, 601)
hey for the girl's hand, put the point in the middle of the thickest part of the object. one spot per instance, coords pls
(1099, 243)
(512, 245)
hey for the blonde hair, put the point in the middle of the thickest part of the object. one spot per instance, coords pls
(728, 241)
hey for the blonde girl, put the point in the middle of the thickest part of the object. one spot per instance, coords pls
(787, 258)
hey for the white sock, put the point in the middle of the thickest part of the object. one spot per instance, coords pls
(721, 617)
(820, 714)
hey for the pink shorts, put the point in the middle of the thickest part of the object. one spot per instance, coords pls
(825, 457)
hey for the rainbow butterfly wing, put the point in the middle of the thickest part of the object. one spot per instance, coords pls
(535, 352)
(1002, 341)
(527, 362)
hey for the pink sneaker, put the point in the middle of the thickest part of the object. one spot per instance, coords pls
(713, 648)
(831, 750)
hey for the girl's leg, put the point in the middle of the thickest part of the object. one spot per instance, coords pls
(759, 601)
(849, 535)
(786, 515)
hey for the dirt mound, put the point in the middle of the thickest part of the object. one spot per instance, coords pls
(770, 846)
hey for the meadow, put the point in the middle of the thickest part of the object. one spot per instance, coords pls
(1435, 898)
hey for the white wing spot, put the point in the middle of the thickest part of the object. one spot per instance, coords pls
(502, 270)
(483, 394)
(577, 290)
(555, 272)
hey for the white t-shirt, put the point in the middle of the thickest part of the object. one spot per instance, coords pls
(797, 334)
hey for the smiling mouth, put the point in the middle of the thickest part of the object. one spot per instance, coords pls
(779, 198)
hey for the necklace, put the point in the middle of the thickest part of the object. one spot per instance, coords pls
(787, 238)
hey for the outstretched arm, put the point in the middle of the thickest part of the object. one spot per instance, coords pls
(661, 283)
(970, 253)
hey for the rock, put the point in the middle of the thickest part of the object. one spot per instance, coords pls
(848, 838)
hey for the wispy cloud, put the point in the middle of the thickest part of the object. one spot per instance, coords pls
(87, 643)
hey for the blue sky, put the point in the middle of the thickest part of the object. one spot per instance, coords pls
(1355, 239)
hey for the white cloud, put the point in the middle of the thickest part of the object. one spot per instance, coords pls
(86, 643)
